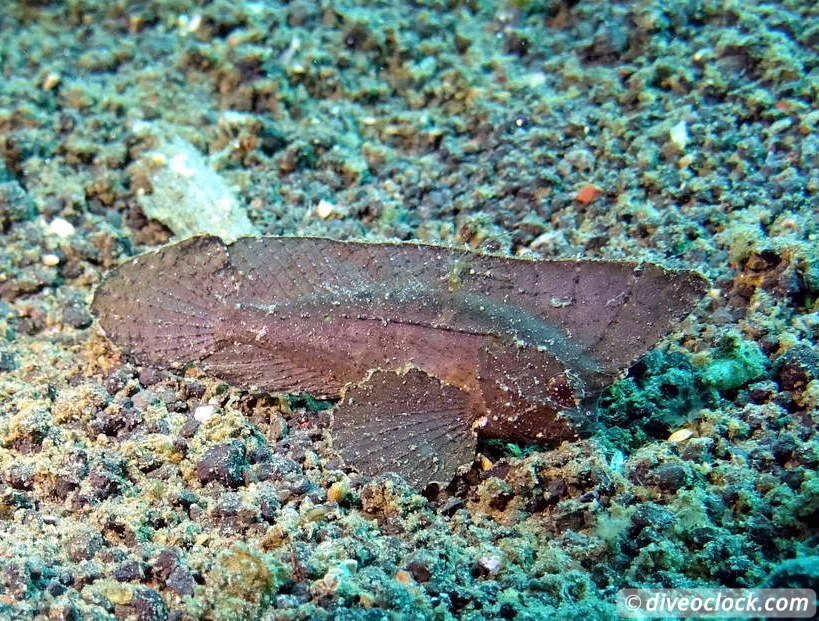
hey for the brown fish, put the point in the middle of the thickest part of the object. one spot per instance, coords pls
(427, 346)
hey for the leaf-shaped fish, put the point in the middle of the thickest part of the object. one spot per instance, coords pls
(427, 346)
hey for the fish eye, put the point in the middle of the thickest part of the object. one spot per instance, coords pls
(565, 390)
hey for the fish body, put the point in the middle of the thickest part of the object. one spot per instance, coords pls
(426, 346)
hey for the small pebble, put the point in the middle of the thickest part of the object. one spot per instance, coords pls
(419, 570)
(50, 81)
(224, 463)
(327, 210)
(671, 476)
(129, 571)
(149, 605)
(681, 435)
(181, 581)
(587, 194)
(490, 563)
(403, 576)
(338, 491)
(204, 412)
(76, 315)
(61, 227)
(678, 135)
(164, 564)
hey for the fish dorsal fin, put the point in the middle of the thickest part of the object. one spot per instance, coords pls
(612, 312)
(283, 269)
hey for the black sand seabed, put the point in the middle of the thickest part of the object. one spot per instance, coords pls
(677, 132)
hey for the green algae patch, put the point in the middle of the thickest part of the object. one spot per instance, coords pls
(242, 581)
(79, 404)
(664, 388)
(659, 392)
(734, 362)
(114, 591)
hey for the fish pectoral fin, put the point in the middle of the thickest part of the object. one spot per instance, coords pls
(407, 422)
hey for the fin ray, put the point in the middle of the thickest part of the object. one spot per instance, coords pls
(437, 440)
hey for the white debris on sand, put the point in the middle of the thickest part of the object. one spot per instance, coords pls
(61, 227)
(327, 210)
(678, 135)
(204, 412)
(188, 195)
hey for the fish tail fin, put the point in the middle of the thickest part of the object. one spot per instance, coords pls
(166, 307)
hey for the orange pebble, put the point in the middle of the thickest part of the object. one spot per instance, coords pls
(588, 193)
(403, 576)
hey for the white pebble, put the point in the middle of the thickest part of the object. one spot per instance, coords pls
(679, 135)
(681, 435)
(325, 209)
(490, 563)
(204, 412)
(50, 260)
(61, 227)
